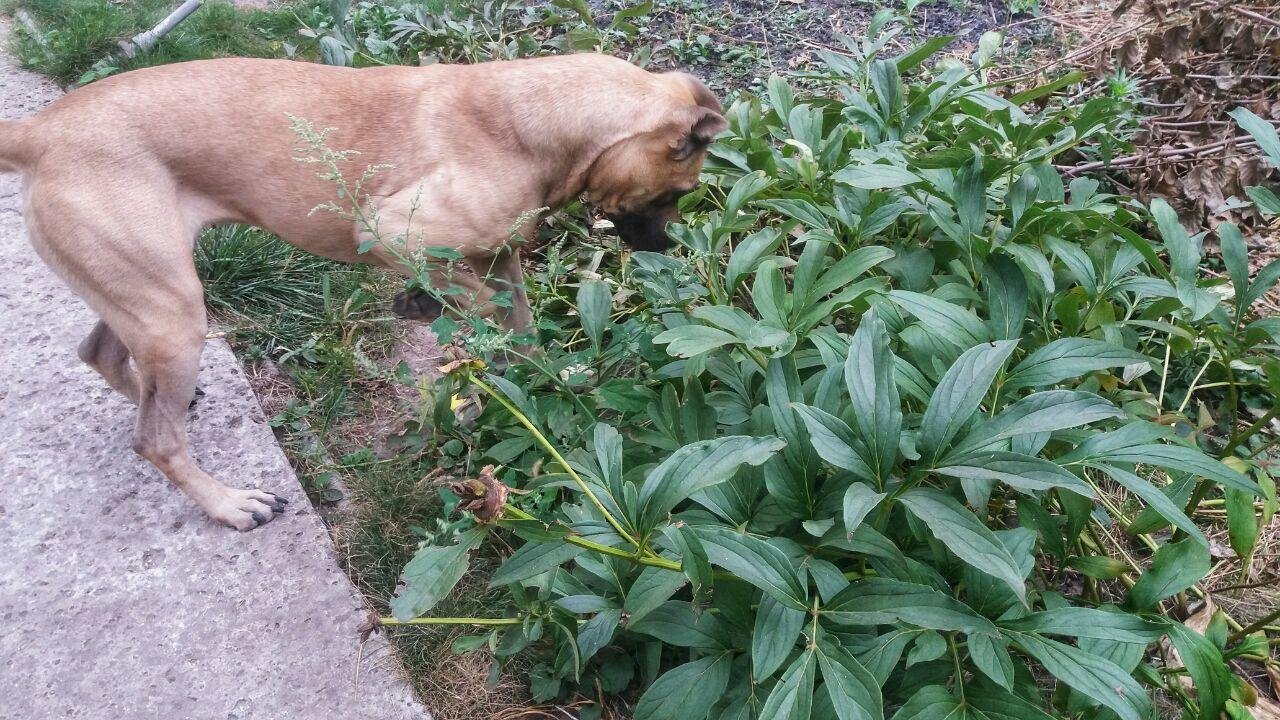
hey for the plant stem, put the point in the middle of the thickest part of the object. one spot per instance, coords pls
(1255, 626)
(1192, 388)
(955, 655)
(1202, 487)
(555, 454)
(599, 547)
(450, 621)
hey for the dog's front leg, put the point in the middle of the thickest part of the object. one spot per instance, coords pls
(503, 272)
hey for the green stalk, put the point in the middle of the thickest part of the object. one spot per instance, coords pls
(451, 621)
(955, 654)
(601, 548)
(1253, 627)
(555, 454)
(1202, 487)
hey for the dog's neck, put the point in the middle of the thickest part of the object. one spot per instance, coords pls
(561, 141)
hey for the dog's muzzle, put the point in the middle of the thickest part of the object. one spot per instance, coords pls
(643, 232)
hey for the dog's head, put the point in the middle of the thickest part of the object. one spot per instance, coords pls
(639, 181)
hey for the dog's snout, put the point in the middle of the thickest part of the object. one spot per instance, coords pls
(643, 232)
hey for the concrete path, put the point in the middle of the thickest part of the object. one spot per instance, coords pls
(118, 598)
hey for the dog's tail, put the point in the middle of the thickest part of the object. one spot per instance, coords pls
(15, 145)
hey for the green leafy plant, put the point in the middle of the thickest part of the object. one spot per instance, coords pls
(842, 457)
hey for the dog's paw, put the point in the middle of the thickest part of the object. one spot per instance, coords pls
(417, 305)
(247, 509)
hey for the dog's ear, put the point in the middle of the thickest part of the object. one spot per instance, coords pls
(706, 124)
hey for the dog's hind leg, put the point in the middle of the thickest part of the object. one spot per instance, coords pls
(168, 357)
(131, 261)
(103, 351)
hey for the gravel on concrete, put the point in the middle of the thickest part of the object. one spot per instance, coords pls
(118, 597)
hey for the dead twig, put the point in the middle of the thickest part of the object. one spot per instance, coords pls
(1167, 153)
(1253, 15)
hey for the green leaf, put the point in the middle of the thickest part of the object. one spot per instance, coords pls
(869, 375)
(746, 255)
(971, 196)
(1023, 472)
(689, 340)
(1098, 567)
(881, 601)
(696, 467)
(1098, 445)
(1175, 567)
(1068, 358)
(1236, 257)
(687, 692)
(431, 574)
(1184, 253)
(1095, 677)
(1089, 623)
(1242, 522)
(1261, 130)
(1000, 704)
(651, 588)
(747, 187)
(946, 320)
(693, 560)
(1077, 262)
(756, 562)
(849, 268)
(802, 210)
(675, 623)
(1184, 459)
(1155, 500)
(1039, 412)
(1072, 78)
(929, 645)
(596, 633)
(595, 303)
(1267, 278)
(932, 703)
(1209, 671)
(876, 176)
(770, 296)
(1006, 297)
(853, 690)
(776, 629)
(1266, 200)
(533, 558)
(888, 86)
(991, 655)
(859, 499)
(913, 57)
(965, 535)
(833, 440)
(792, 697)
(958, 395)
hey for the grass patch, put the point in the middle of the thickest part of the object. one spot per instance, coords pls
(275, 298)
(326, 327)
(75, 34)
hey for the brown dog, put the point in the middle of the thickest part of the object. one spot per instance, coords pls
(123, 174)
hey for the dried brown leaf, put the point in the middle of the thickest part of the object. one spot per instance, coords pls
(484, 495)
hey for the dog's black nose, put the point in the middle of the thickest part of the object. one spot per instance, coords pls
(643, 232)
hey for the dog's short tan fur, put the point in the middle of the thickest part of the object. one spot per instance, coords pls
(123, 174)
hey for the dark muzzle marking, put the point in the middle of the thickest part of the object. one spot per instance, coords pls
(643, 232)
